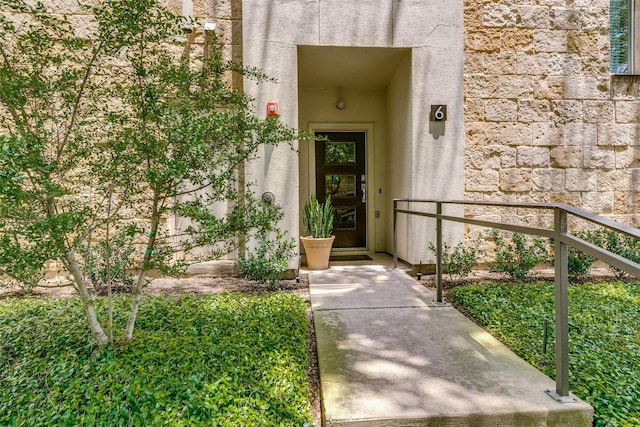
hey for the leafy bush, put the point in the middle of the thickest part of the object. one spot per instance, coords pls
(270, 262)
(518, 256)
(625, 246)
(457, 264)
(226, 360)
(604, 355)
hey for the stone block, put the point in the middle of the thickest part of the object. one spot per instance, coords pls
(594, 18)
(533, 157)
(627, 111)
(84, 26)
(474, 110)
(501, 110)
(582, 4)
(625, 87)
(498, 15)
(473, 62)
(566, 197)
(585, 41)
(68, 7)
(512, 133)
(597, 111)
(532, 63)
(596, 64)
(581, 180)
(547, 134)
(565, 19)
(550, 87)
(531, 110)
(500, 63)
(532, 16)
(498, 86)
(476, 133)
(614, 180)
(566, 157)
(490, 157)
(550, 40)
(616, 134)
(481, 180)
(580, 134)
(516, 39)
(586, 87)
(472, 15)
(626, 202)
(225, 9)
(485, 40)
(515, 180)
(548, 180)
(627, 157)
(565, 63)
(566, 111)
(598, 158)
(598, 202)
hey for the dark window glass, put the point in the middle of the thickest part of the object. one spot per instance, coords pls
(340, 152)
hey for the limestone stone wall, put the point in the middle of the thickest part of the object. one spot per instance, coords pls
(544, 120)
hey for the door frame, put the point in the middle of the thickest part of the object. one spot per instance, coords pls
(368, 129)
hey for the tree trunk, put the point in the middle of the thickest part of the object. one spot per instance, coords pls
(96, 330)
(137, 292)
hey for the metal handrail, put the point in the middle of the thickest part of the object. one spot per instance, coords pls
(561, 240)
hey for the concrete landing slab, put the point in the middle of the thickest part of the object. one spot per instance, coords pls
(389, 357)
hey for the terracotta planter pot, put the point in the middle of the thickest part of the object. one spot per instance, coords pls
(317, 251)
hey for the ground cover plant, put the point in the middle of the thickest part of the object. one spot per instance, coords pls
(218, 360)
(604, 359)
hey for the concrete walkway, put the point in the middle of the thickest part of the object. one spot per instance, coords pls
(389, 356)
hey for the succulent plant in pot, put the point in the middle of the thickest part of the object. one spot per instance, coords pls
(317, 219)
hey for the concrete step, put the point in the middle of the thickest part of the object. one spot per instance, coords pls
(389, 356)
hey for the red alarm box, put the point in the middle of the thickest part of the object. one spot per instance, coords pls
(272, 108)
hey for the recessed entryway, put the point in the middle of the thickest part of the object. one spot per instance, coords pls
(350, 96)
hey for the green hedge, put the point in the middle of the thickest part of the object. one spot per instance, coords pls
(227, 360)
(604, 359)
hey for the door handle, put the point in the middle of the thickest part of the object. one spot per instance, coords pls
(363, 186)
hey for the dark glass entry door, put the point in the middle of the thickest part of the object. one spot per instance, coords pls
(340, 171)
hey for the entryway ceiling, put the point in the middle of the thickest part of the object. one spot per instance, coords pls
(354, 67)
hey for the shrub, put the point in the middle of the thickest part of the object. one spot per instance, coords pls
(580, 263)
(625, 246)
(457, 264)
(270, 261)
(518, 256)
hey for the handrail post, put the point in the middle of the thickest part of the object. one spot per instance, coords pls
(439, 252)
(561, 392)
(395, 234)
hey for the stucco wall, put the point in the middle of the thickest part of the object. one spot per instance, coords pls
(544, 120)
(433, 29)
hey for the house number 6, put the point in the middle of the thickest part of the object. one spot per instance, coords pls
(438, 113)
